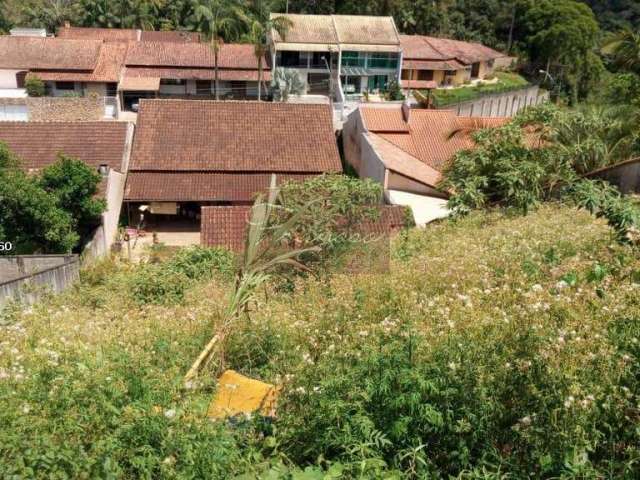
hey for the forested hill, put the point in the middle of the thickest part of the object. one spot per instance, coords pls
(487, 21)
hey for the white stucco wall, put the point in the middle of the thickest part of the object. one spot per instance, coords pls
(8, 78)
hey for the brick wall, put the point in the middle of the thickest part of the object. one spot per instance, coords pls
(60, 109)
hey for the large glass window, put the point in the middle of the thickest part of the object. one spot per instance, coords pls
(383, 60)
(288, 59)
(353, 59)
(377, 82)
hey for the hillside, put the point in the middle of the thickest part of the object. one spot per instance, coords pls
(495, 344)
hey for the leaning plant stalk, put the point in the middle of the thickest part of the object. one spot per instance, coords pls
(260, 258)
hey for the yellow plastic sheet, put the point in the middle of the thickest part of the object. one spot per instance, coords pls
(238, 394)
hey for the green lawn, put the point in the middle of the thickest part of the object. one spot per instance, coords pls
(507, 82)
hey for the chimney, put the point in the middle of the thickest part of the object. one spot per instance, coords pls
(406, 111)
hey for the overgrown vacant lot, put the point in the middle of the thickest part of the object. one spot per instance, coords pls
(496, 346)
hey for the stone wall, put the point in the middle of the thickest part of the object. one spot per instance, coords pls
(35, 275)
(505, 104)
(60, 109)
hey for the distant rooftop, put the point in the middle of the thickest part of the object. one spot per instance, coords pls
(346, 31)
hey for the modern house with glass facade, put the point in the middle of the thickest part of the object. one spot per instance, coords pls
(339, 55)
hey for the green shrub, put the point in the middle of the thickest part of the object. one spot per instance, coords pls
(34, 86)
(166, 282)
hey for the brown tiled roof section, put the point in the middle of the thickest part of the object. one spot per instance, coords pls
(390, 218)
(108, 67)
(197, 55)
(200, 186)
(427, 135)
(37, 144)
(447, 65)
(167, 54)
(48, 53)
(107, 34)
(308, 29)
(361, 29)
(419, 84)
(197, 73)
(224, 226)
(170, 36)
(418, 47)
(383, 119)
(227, 226)
(199, 135)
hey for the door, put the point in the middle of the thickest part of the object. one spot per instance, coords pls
(475, 70)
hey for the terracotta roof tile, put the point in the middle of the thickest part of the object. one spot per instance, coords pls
(427, 135)
(108, 67)
(224, 226)
(200, 186)
(170, 36)
(362, 29)
(107, 34)
(447, 65)
(37, 144)
(419, 84)
(308, 29)
(335, 29)
(48, 53)
(197, 73)
(198, 135)
(198, 55)
(419, 47)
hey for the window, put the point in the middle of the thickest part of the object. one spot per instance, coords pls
(383, 60)
(203, 87)
(406, 74)
(112, 89)
(425, 75)
(491, 63)
(353, 59)
(319, 58)
(450, 73)
(65, 86)
(288, 59)
(171, 81)
(377, 82)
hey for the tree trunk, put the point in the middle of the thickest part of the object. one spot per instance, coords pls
(513, 21)
(259, 77)
(215, 67)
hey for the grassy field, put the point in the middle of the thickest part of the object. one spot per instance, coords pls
(496, 345)
(506, 83)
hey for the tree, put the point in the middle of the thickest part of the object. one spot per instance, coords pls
(624, 48)
(561, 36)
(287, 82)
(34, 86)
(260, 27)
(31, 217)
(218, 20)
(49, 14)
(75, 185)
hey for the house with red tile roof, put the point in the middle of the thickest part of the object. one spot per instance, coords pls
(187, 70)
(192, 153)
(227, 226)
(126, 65)
(430, 62)
(406, 150)
(103, 146)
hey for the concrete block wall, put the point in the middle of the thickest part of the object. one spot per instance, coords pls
(27, 277)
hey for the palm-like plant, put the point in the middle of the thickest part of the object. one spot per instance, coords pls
(218, 20)
(261, 24)
(49, 14)
(625, 50)
(265, 251)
